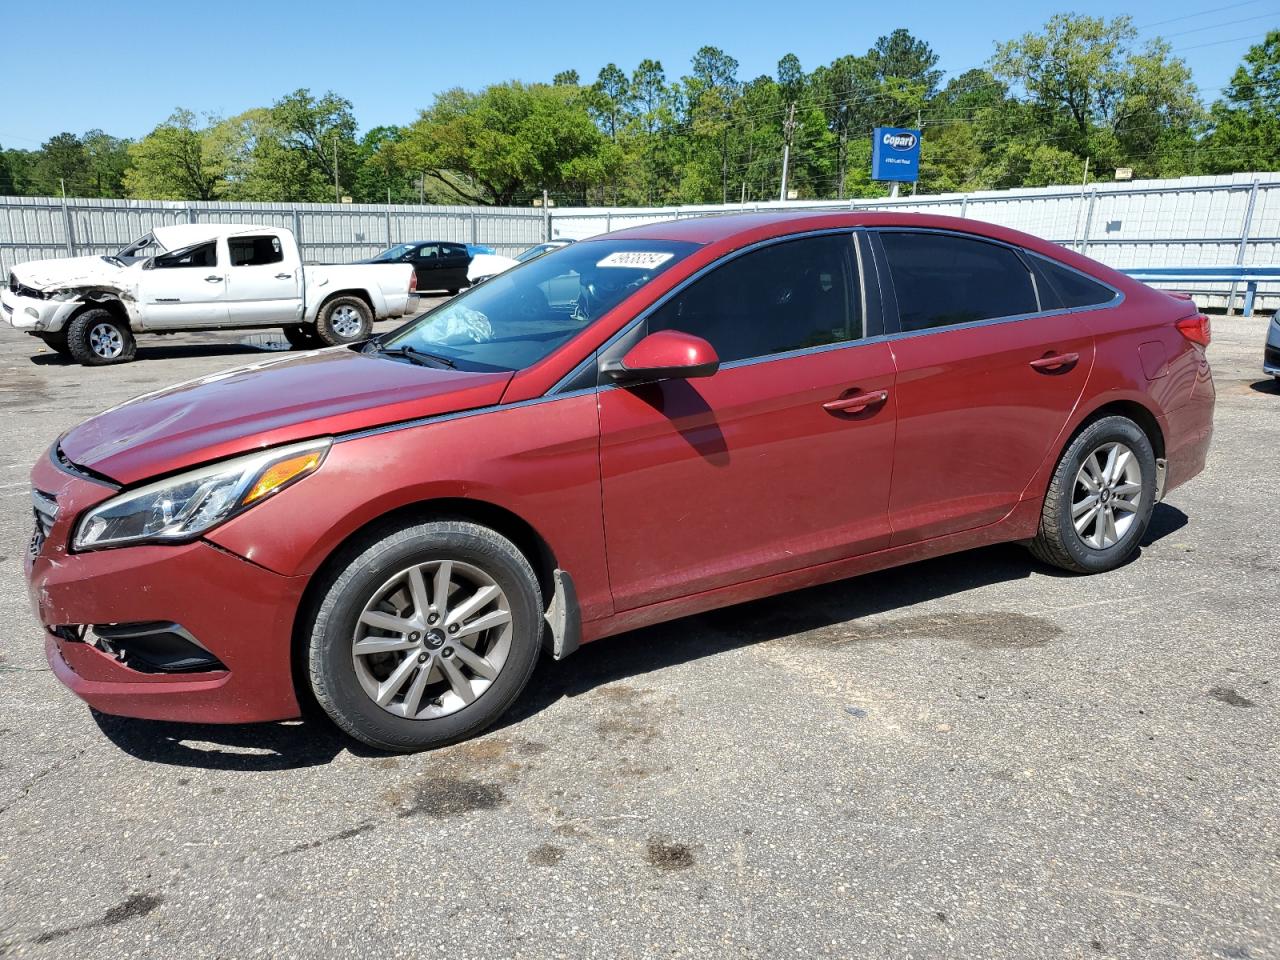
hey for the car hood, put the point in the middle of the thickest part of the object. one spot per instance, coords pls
(488, 264)
(68, 272)
(279, 400)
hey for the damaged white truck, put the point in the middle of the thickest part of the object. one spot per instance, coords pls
(200, 276)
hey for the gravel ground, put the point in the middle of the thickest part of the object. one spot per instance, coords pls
(972, 756)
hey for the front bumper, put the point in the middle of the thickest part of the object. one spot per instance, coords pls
(1271, 352)
(36, 316)
(242, 613)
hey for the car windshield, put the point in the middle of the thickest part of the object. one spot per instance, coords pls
(533, 252)
(394, 253)
(140, 249)
(515, 319)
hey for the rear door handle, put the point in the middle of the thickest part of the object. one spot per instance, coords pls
(214, 279)
(857, 403)
(1056, 362)
(284, 276)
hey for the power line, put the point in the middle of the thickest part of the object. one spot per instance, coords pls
(1202, 13)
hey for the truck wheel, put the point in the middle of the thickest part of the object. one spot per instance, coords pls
(427, 636)
(302, 336)
(1100, 499)
(97, 337)
(344, 320)
(57, 342)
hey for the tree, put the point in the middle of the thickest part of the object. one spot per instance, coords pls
(61, 164)
(1245, 123)
(566, 78)
(611, 98)
(306, 149)
(510, 140)
(107, 157)
(175, 161)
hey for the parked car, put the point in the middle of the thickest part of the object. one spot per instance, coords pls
(1271, 352)
(438, 265)
(731, 407)
(202, 276)
(484, 267)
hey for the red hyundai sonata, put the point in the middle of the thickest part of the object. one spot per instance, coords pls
(631, 429)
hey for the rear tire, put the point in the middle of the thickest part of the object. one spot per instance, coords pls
(1100, 499)
(344, 320)
(97, 337)
(302, 337)
(413, 595)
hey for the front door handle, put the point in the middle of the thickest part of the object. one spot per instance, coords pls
(284, 276)
(1056, 362)
(214, 279)
(857, 403)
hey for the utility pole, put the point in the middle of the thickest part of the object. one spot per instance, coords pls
(337, 191)
(920, 134)
(788, 129)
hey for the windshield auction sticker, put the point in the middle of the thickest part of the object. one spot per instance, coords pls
(635, 260)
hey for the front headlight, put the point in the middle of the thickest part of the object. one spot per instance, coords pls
(186, 506)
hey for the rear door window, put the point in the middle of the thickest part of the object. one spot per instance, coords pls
(942, 279)
(255, 251)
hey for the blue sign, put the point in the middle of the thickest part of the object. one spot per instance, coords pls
(895, 154)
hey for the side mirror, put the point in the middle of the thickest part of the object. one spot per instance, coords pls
(665, 355)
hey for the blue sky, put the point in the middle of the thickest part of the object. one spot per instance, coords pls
(122, 67)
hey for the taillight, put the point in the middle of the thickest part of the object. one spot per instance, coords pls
(1195, 328)
(413, 281)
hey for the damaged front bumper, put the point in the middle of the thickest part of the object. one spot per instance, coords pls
(35, 315)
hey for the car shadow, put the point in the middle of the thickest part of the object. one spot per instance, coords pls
(250, 747)
(680, 641)
(1269, 385)
(314, 741)
(178, 351)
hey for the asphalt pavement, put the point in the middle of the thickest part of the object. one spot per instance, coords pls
(969, 757)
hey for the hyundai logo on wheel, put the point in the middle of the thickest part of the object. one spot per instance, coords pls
(895, 154)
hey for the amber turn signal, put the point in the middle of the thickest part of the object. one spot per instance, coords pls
(281, 474)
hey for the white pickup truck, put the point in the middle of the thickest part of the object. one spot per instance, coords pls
(200, 276)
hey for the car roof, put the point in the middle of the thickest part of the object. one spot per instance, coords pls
(752, 227)
(178, 235)
(721, 233)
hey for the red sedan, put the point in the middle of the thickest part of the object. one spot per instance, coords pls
(633, 428)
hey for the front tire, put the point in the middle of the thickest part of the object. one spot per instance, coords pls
(97, 337)
(344, 320)
(426, 637)
(1100, 499)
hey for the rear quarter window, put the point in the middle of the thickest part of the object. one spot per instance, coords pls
(1063, 287)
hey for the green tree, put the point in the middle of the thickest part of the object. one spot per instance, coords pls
(107, 158)
(566, 78)
(61, 163)
(175, 161)
(510, 141)
(305, 149)
(1245, 123)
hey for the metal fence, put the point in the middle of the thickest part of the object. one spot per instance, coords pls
(35, 228)
(1192, 221)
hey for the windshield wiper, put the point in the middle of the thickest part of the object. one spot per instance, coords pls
(420, 357)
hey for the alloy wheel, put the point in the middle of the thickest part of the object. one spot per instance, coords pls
(346, 322)
(106, 341)
(1107, 495)
(432, 639)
